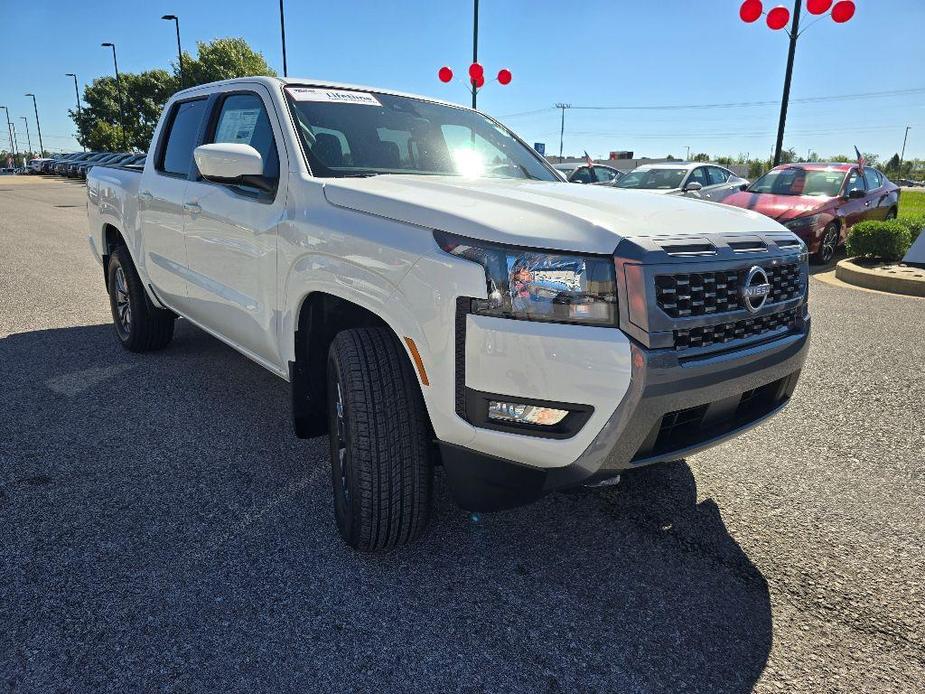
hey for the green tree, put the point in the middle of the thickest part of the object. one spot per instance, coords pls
(224, 59)
(99, 126)
(701, 156)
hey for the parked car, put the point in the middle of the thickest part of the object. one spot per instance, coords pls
(820, 202)
(694, 180)
(116, 159)
(597, 174)
(431, 303)
(73, 167)
(62, 163)
(35, 165)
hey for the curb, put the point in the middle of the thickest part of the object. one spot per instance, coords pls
(848, 272)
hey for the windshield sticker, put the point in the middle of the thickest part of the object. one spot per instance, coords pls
(333, 96)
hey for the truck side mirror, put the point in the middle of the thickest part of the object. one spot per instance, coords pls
(228, 162)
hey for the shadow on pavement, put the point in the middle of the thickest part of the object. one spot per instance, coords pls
(162, 528)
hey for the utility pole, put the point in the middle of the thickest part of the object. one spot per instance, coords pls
(688, 157)
(475, 46)
(794, 35)
(562, 129)
(38, 124)
(282, 31)
(77, 94)
(903, 155)
(28, 136)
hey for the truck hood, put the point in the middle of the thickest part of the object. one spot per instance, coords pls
(558, 216)
(783, 208)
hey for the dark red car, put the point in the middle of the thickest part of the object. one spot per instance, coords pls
(820, 202)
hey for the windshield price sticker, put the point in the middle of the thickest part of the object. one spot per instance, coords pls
(333, 96)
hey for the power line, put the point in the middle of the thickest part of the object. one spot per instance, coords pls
(736, 104)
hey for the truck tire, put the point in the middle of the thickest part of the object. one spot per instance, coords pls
(380, 443)
(140, 326)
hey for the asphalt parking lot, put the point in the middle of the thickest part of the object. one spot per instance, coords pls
(162, 529)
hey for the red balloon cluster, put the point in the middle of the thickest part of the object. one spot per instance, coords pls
(777, 18)
(476, 75)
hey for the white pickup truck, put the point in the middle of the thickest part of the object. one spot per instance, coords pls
(436, 294)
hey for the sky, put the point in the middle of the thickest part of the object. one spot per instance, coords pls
(670, 54)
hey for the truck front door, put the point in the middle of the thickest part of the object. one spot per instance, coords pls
(231, 229)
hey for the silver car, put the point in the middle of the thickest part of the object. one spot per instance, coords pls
(694, 180)
(598, 174)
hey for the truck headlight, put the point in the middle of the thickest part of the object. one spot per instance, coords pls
(538, 285)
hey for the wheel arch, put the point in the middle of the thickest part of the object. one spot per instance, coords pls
(321, 316)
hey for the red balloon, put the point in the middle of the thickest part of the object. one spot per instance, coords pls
(504, 76)
(818, 6)
(843, 11)
(445, 74)
(476, 71)
(479, 81)
(778, 17)
(750, 11)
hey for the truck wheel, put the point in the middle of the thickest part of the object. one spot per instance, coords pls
(380, 444)
(140, 326)
(828, 244)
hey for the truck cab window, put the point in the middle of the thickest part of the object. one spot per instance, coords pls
(177, 155)
(243, 120)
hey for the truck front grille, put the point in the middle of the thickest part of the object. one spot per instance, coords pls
(726, 332)
(705, 293)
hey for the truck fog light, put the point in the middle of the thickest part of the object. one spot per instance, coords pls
(524, 414)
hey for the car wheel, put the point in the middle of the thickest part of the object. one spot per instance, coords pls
(380, 441)
(828, 244)
(140, 326)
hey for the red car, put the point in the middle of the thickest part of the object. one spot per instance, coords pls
(820, 202)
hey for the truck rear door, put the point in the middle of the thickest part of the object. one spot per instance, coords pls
(160, 202)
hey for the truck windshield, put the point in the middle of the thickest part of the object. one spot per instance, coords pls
(352, 133)
(796, 180)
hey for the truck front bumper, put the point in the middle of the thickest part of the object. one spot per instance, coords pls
(675, 406)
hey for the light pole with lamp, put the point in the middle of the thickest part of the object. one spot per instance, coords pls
(77, 94)
(38, 125)
(115, 63)
(777, 18)
(9, 127)
(28, 136)
(176, 20)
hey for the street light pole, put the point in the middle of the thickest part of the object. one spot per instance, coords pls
(794, 35)
(38, 124)
(903, 154)
(282, 32)
(176, 20)
(475, 46)
(115, 63)
(562, 129)
(9, 128)
(28, 136)
(77, 94)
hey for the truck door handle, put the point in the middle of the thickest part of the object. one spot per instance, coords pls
(145, 196)
(192, 207)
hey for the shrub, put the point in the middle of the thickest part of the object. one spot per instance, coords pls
(888, 240)
(914, 223)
